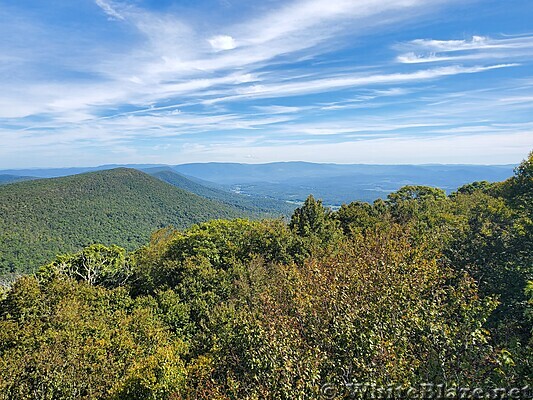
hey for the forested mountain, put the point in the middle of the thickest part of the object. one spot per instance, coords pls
(265, 206)
(39, 219)
(417, 289)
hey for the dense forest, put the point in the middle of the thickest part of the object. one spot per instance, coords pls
(421, 287)
(42, 218)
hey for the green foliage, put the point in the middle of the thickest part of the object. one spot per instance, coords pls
(310, 219)
(494, 244)
(95, 264)
(529, 295)
(413, 202)
(219, 245)
(377, 306)
(519, 189)
(359, 218)
(201, 265)
(420, 287)
(62, 339)
(315, 226)
(473, 187)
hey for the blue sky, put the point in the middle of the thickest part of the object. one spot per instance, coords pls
(90, 82)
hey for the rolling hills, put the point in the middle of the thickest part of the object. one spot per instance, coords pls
(258, 205)
(338, 183)
(41, 218)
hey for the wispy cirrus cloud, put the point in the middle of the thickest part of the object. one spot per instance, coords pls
(172, 61)
(349, 81)
(374, 150)
(156, 79)
(109, 9)
(476, 48)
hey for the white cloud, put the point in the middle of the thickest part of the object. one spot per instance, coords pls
(109, 9)
(504, 148)
(349, 81)
(321, 18)
(222, 42)
(273, 109)
(477, 48)
(413, 58)
(354, 127)
(173, 62)
(175, 77)
(477, 42)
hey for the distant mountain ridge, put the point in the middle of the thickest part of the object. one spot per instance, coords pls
(59, 172)
(294, 181)
(338, 183)
(231, 173)
(41, 218)
(264, 206)
(6, 178)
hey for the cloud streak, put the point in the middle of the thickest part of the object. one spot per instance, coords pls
(162, 81)
(108, 8)
(348, 81)
(477, 48)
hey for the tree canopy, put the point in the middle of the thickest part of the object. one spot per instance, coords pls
(419, 287)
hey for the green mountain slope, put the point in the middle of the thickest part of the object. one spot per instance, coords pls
(264, 206)
(39, 219)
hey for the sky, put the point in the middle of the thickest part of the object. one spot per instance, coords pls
(90, 82)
